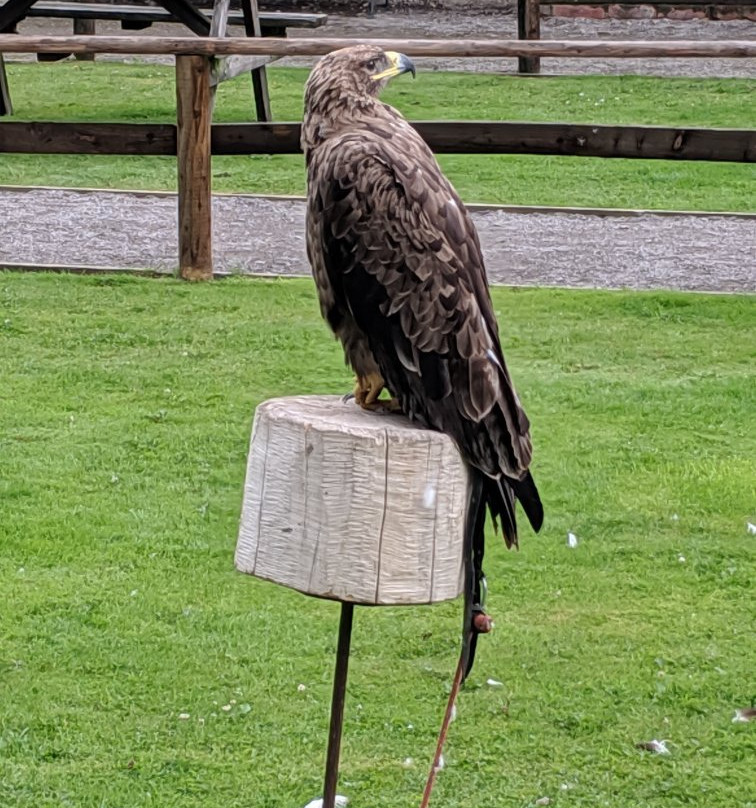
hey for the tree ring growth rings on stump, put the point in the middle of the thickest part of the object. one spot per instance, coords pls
(351, 505)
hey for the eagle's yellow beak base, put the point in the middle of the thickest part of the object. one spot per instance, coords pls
(399, 63)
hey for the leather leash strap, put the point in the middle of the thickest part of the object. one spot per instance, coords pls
(456, 684)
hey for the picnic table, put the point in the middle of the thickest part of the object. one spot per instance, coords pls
(137, 15)
(134, 16)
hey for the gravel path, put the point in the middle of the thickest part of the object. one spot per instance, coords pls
(117, 229)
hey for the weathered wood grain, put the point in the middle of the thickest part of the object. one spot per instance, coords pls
(528, 27)
(646, 142)
(229, 67)
(6, 107)
(32, 137)
(350, 505)
(213, 46)
(82, 28)
(271, 22)
(259, 74)
(444, 137)
(193, 153)
(501, 137)
(219, 18)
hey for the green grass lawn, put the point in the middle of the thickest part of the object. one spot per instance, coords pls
(125, 412)
(119, 92)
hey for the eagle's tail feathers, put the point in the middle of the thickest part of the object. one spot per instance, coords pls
(501, 493)
(526, 492)
(500, 500)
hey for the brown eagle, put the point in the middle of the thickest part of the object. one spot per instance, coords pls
(401, 281)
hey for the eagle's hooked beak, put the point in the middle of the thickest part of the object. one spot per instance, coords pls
(398, 64)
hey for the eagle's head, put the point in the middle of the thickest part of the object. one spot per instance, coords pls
(359, 70)
(343, 89)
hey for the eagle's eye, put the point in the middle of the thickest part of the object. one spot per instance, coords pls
(371, 65)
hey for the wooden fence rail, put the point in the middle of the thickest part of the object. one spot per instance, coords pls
(444, 137)
(193, 139)
(479, 48)
(529, 18)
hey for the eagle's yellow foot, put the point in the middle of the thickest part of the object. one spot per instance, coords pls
(367, 390)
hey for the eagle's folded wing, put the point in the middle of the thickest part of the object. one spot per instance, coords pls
(401, 258)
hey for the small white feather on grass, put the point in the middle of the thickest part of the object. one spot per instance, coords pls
(744, 714)
(657, 747)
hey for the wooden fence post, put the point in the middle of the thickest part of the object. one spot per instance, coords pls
(193, 156)
(528, 27)
(6, 108)
(84, 28)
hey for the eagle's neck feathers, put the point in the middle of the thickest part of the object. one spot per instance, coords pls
(328, 115)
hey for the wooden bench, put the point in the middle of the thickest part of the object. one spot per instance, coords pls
(212, 22)
(135, 17)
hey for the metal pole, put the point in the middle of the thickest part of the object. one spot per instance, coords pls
(337, 705)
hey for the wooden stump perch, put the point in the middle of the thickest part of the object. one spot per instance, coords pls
(354, 506)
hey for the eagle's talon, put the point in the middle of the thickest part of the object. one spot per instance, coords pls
(367, 389)
(383, 406)
(347, 397)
